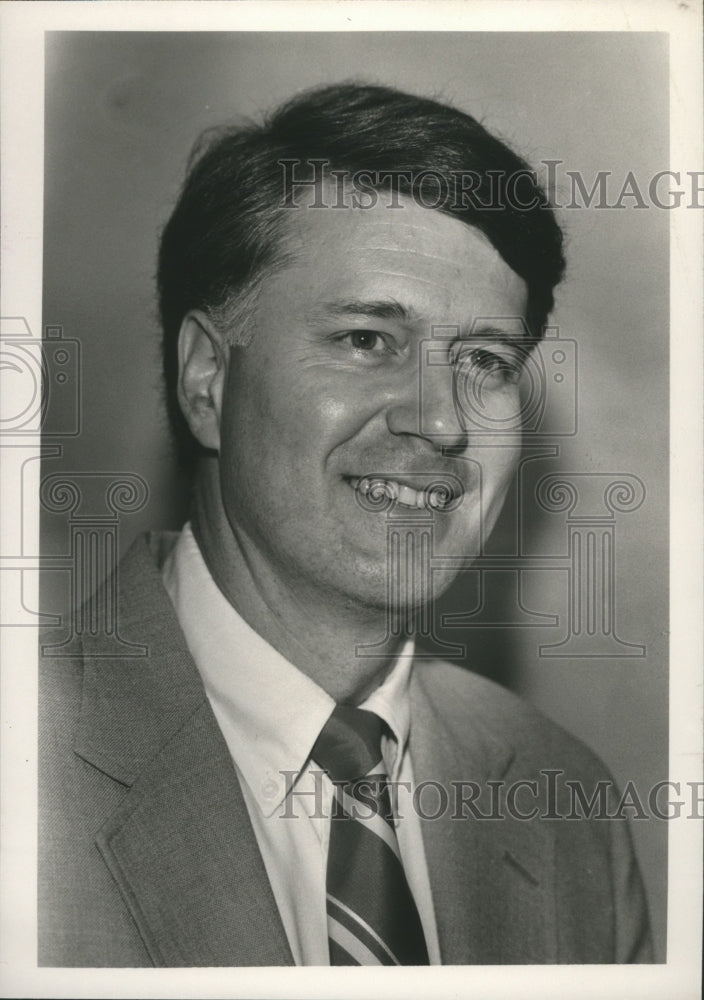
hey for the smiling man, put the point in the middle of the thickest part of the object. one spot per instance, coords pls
(349, 294)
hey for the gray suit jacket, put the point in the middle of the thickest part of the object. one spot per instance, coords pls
(148, 857)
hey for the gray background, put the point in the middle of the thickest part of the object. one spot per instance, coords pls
(122, 111)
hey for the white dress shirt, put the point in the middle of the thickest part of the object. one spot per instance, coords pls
(271, 714)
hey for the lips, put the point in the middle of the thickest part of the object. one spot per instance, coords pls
(439, 495)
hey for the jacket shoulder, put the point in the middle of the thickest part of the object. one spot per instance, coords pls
(599, 896)
(463, 699)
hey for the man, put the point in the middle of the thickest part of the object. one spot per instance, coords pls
(250, 792)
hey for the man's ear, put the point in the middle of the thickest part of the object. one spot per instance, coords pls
(202, 355)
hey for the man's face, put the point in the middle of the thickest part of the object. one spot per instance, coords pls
(335, 387)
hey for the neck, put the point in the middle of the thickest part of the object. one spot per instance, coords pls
(319, 632)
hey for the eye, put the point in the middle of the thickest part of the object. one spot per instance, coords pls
(490, 362)
(365, 340)
(503, 366)
(368, 346)
(365, 348)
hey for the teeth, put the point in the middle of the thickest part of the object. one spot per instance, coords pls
(401, 494)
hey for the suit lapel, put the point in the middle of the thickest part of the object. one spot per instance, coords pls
(185, 858)
(180, 846)
(491, 879)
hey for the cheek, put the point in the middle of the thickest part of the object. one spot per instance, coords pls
(311, 419)
(491, 407)
(498, 470)
(337, 410)
(287, 422)
(260, 412)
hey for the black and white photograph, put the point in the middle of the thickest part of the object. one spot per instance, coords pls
(350, 546)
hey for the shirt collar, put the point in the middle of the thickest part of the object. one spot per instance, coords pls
(269, 711)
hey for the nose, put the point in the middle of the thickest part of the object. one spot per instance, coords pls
(426, 406)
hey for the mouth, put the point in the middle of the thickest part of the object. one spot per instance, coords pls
(440, 495)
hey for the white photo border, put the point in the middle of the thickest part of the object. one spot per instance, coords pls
(23, 27)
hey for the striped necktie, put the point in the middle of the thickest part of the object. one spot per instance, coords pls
(371, 915)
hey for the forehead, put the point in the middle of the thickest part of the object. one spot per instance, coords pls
(434, 265)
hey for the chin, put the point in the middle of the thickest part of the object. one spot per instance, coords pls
(370, 585)
(366, 584)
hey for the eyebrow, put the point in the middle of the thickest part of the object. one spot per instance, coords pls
(496, 333)
(391, 309)
(376, 308)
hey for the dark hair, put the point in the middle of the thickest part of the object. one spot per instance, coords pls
(225, 232)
